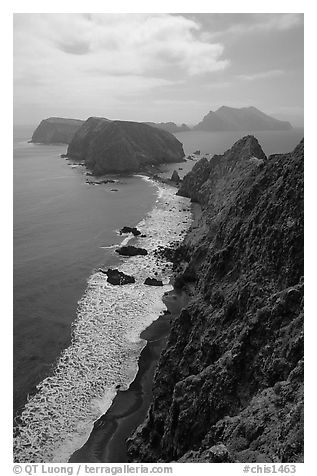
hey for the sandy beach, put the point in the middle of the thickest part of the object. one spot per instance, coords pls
(128, 410)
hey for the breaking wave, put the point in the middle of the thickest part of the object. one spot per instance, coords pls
(105, 346)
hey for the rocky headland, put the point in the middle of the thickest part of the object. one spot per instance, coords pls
(122, 146)
(229, 384)
(56, 130)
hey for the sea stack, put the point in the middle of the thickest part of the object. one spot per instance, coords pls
(175, 177)
(122, 146)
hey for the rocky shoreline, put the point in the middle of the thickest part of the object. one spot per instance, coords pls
(229, 384)
(107, 442)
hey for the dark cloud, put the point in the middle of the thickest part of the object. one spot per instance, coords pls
(74, 47)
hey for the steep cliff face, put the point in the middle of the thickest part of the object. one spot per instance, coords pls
(207, 176)
(56, 130)
(229, 385)
(122, 146)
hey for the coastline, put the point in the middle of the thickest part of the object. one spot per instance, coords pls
(106, 443)
(107, 440)
(73, 416)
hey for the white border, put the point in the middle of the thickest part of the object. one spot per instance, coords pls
(310, 199)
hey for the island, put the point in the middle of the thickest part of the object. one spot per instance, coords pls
(240, 119)
(56, 130)
(122, 146)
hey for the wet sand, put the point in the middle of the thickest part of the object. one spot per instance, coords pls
(107, 441)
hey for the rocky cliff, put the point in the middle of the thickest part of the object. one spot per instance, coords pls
(241, 119)
(229, 385)
(56, 130)
(122, 146)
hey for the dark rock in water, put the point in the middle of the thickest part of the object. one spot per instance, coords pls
(153, 282)
(131, 251)
(98, 182)
(143, 236)
(63, 156)
(122, 146)
(129, 229)
(175, 177)
(56, 130)
(189, 157)
(243, 119)
(229, 384)
(197, 152)
(180, 168)
(114, 190)
(117, 277)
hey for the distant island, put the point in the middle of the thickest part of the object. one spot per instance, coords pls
(56, 130)
(59, 130)
(243, 119)
(169, 126)
(122, 146)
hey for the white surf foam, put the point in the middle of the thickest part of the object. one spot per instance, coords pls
(105, 346)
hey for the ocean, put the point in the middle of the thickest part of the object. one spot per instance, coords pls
(76, 337)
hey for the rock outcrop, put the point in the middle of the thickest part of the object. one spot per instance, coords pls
(243, 119)
(153, 282)
(229, 384)
(175, 177)
(205, 174)
(117, 277)
(121, 146)
(131, 251)
(130, 229)
(56, 130)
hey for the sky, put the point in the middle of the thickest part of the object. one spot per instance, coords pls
(157, 67)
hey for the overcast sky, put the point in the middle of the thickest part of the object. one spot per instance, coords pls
(156, 67)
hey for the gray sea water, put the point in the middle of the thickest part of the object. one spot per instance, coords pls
(64, 230)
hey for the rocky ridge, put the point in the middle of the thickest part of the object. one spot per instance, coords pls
(229, 385)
